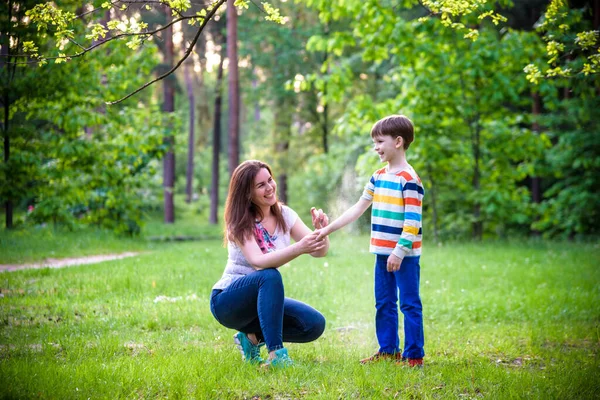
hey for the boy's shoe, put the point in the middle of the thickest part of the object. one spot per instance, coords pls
(281, 360)
(411, 362)
(250, 351)
(382, 356)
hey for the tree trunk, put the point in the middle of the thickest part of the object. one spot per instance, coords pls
(325, 126)
(325, 130)
(8, 204)
(234, 88)
(4, 51)
(216, 151)
(536, 181)
(168, 108)
(536, 109)
(189, 174)
(596, 14)
(596, 28)
(476, 146)
(256, 103)
(282, 134)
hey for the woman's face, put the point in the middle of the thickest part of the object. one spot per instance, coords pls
(264, 191)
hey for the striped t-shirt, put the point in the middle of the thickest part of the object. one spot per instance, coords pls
(396, 212)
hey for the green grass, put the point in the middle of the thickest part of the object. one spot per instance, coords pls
(502, 320)
(31, 245)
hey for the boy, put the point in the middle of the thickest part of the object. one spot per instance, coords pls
(396, 193)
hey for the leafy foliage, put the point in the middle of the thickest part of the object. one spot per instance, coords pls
(72, 159)
(313, 86)
(572, 44)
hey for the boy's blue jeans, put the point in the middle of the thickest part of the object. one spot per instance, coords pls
(255, 303)
(387, 285)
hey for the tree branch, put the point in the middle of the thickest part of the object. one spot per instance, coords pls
(186, 55)
(120, 35)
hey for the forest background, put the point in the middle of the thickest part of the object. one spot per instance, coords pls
(504, 96)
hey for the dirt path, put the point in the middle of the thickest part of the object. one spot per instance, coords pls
(66, 262)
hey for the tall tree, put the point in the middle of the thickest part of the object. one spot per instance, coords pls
(189, 172)
(216, 135)
(168, 109)
(6, 79)
(233, 87)
(17, 84)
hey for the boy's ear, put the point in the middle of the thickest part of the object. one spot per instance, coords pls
(399, 141)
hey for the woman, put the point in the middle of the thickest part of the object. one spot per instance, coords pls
(249, 297)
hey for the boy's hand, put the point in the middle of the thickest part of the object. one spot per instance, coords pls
(319, 218)
(310, 243)
(321, 233)
(393, 263)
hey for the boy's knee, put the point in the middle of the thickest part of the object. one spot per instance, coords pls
(411, 307)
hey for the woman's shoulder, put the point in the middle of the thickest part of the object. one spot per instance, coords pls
(289, 215)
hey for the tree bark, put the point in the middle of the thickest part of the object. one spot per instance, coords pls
(536, 181)
(189, 175)
(282, 134)
(216, 151)
(8, 204)
(536, 109)
(325, 126)
(596, 28)
(168, 109)
(234, 88)
(476, 146)
(596, 14)
(256, 103)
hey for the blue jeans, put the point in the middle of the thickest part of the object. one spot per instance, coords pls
(387, 285)
(255, 303)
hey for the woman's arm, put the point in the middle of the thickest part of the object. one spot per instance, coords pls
(306, 245)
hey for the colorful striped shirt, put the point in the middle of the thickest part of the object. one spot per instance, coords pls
(396, 212)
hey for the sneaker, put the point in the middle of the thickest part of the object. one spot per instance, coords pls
(381, 357)
(281, 360)
(250, 351)
(415, 362)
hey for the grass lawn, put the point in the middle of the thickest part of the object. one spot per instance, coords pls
(502, 320)
(32, 245)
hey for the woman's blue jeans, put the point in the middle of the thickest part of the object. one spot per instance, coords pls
(255, 303)
(387, 285)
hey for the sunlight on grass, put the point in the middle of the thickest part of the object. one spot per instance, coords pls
(502, 320)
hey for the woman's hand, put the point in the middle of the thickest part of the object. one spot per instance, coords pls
(311, 243)
(319, 218)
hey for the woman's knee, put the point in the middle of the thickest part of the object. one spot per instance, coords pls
(270, 275)
(316, 326)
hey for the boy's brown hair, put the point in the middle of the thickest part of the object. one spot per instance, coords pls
(394, 126)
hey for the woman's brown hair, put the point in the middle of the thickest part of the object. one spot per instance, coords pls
(240, 212)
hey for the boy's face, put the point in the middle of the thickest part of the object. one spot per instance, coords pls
(387, 147)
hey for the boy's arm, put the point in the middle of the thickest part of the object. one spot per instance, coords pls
(349, 216)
